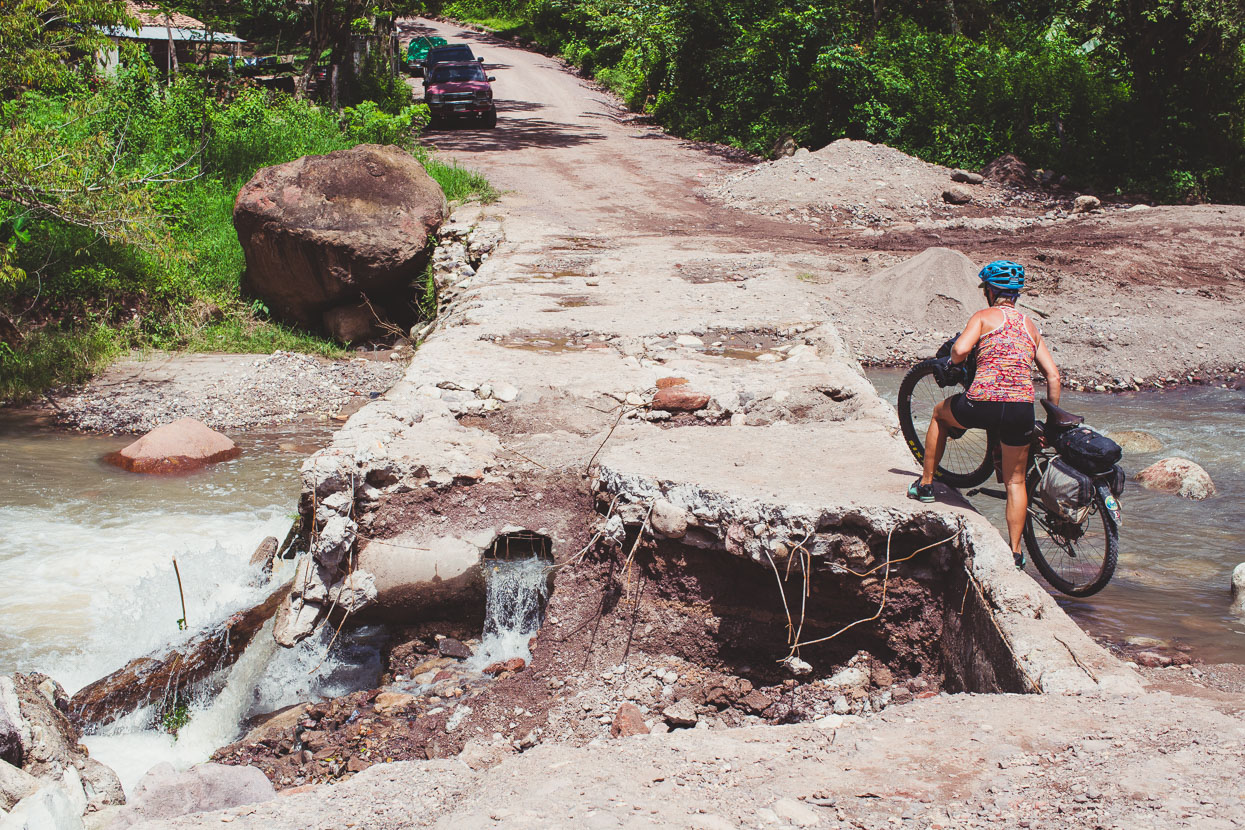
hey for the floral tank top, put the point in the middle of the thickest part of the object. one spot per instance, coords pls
(1004, 358)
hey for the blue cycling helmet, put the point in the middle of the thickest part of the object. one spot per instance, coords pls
(1003, 275)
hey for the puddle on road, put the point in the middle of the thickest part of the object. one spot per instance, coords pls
(551, 343)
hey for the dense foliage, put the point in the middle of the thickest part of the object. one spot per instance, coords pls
(116, 200)
(1138, 95)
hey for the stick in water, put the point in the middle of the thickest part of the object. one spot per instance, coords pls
(181, 624)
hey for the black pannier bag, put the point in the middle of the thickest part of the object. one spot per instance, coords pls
(1088, 451)
(1115, 481)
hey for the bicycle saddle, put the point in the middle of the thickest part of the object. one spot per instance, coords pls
(1060, 418)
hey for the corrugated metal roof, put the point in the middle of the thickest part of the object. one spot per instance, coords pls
(177, 34)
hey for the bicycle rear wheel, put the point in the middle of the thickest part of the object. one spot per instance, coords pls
(1078, 560)
(967, 461)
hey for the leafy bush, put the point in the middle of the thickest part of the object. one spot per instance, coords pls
(180, 157)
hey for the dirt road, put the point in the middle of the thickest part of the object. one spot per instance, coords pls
(1128, 297)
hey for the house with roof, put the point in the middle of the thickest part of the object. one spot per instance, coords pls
(171, 37)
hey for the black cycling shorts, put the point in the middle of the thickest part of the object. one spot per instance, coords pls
(1011, 421)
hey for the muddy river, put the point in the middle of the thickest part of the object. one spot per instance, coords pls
(1176, 556)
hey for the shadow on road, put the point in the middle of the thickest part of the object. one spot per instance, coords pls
(511, 133)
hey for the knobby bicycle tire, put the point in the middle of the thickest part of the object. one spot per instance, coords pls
(965, 474)
(1105, 570)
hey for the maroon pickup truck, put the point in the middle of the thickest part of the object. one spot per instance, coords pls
(457, 90)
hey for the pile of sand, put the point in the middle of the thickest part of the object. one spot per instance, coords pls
(855, 184)
(935, 290)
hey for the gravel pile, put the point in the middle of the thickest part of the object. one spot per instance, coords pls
(223, 391)
(856, 184)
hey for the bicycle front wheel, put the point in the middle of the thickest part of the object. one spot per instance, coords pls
(967, 461)
(1078, 560)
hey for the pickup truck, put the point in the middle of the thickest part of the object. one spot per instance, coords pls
(455, 89)
(456, 52)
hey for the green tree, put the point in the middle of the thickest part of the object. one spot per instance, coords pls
(39, 37)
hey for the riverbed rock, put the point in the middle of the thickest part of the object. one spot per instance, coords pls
(322, 232)
(182, 446)
(263, 555)
(53, 750)
(14, 730)
(966, 177)
(164, 793)
(51, 807)
(1238, 589)
(15, 784)
(449, 647)
(1136, 441)
(1180, 476)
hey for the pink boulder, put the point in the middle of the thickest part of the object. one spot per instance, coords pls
(1180, 476)
(179, 447)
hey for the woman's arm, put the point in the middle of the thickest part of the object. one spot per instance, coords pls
(967, 340)
(1047, 364)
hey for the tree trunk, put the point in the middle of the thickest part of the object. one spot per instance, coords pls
(164, 677)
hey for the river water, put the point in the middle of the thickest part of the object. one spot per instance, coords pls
(87, 580)
(1176, 555)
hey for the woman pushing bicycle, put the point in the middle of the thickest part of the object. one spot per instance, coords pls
(1000, 398)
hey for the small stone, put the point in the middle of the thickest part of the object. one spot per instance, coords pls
(628, 721)
(801, 815)
(666, 383)
(505, 392)
(669, 519)
(449, 647)
(678, 399)
(681, 713)
(689, 340)
(1152, 659)
(513, 665)
(966, 177)
(1085, 204)
(956, 195)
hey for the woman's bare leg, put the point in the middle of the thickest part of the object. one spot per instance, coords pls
(936, 439)
(1014, 462)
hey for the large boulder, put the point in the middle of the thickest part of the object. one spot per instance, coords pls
(179, 447)
(14, 731)
(52, 753)
(938, 289)
(321, 232)
(1180, 476)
